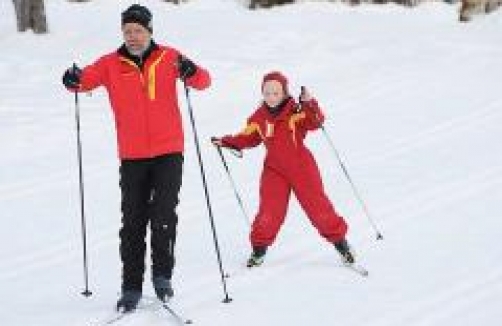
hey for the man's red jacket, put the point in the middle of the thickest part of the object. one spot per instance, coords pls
(144, 101)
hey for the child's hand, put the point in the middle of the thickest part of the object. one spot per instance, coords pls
(216, 141)
(305, 95)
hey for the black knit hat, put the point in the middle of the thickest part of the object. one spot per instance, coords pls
(138, 14)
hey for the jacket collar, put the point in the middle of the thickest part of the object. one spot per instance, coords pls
(280, 110)
(138, 60)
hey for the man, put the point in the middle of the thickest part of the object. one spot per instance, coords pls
(140, 78)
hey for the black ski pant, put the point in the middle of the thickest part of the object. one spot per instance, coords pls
(150, 189)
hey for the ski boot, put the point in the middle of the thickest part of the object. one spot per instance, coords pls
(257, 257)
(163, 288)
(344, 250)
(128, 301)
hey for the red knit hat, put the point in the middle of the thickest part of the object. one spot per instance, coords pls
(277, 76)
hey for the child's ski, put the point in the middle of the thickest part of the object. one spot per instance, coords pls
(358, 269)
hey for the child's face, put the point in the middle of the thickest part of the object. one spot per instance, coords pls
(273, 94)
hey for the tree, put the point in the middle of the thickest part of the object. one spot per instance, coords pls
(268, 3)
(30, 14)
(470, 8)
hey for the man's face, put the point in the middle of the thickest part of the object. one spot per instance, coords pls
(273, 94)
(136, 37)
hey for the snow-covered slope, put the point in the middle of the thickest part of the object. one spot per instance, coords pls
(413, 106)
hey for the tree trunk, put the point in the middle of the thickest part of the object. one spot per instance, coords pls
(253, 4)
(30, 14)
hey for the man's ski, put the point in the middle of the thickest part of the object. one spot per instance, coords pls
(179, 319)
(119, 315)
(168, 307)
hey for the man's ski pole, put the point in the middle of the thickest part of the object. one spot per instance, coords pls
(86, 291)
(227, 299)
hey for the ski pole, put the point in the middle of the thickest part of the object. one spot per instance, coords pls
(86, 291)
(227, 299)
(347, 175)
(354, 189)
(232, 182)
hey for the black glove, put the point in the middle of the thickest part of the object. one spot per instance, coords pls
(217, 141)
(186, 67)
(71, 77)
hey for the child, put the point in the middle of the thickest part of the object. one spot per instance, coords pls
(281, 125)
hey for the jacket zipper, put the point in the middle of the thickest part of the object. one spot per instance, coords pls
(147, 113)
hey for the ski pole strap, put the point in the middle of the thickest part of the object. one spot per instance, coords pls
(220, 152)
(233, 150)
(236, 152)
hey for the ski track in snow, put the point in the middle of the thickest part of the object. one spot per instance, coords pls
(40, 184)
(419, 203)
(490, 114)
(431, 310)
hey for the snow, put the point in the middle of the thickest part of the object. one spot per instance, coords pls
(413, 106)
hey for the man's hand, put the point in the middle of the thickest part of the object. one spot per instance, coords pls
(71, 77)
(186, 67)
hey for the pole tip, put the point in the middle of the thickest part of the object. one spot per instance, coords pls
(87, 293)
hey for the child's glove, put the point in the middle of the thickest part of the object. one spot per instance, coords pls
(220, 143)
(304, 99)
(217, 141)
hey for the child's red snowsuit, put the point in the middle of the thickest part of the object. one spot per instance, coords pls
(289, 166)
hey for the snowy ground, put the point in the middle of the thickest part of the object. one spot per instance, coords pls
(413, 104)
